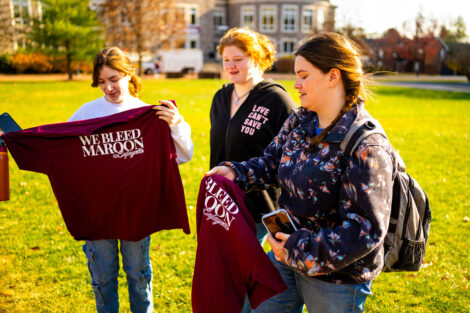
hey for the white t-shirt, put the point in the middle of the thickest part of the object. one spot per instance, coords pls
(181, 133)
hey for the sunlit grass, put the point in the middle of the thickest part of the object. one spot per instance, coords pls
(42, 269)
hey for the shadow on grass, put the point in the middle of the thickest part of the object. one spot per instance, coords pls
(420, 93)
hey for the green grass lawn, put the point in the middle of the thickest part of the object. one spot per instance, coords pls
(42, 269)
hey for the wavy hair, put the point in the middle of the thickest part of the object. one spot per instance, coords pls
(114, 58)
(257, 46)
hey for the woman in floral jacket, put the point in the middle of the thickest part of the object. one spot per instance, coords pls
(343, 214)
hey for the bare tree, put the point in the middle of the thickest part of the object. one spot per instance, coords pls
(7, 30)
(142, 26)
(358, 35)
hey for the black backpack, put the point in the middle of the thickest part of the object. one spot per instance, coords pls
(410, 218)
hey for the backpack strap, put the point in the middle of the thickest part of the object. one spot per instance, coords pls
(356, 134)
(295, 119)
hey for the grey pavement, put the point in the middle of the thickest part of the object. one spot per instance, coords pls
(456, 83)
(456, 87)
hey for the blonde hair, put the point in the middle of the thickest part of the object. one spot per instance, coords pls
(114, 58)
(331, 50)
(255, 45)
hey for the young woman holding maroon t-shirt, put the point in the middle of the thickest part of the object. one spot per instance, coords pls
(342, 214)
(114, 74)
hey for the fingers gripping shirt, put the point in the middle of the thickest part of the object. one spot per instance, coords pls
(114, 177)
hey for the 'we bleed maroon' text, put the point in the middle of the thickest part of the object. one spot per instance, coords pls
(120, 144)
(219, 207)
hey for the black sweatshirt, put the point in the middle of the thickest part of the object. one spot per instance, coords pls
(251, 129)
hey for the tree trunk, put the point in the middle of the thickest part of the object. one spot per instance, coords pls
(69, 66)
(69, 60)
(140, 64)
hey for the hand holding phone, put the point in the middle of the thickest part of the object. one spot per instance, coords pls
(278, 221)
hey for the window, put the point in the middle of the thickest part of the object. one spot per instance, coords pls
(247, 17)
(268, 18)
(192, 17)
(189, 12)
(219, 19)
(320, 19)
(443, 54)
(289, 18)
(192, 41)
(21, 11)
(307, 20)
(288, 46)
(381, 53)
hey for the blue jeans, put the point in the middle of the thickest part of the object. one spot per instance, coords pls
(317, 295)
(261, 233)
(103, 263)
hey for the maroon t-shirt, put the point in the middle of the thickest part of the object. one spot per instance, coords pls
(114, 177)
(230, 262)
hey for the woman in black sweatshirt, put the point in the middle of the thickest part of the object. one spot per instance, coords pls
(247, 113)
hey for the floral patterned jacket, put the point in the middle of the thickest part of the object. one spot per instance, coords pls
(343, 217)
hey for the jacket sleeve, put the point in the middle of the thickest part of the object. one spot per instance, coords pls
(181, 135)
(364, 207)
(261, 172)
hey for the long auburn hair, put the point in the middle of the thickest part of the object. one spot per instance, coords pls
(329, 50)
(114, 58)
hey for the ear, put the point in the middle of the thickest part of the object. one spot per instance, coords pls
(334, 77)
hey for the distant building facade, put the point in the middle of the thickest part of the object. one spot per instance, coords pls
(392, 52)
(15, 20)
(286, 22)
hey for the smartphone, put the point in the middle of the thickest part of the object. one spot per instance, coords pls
(8, 124)
(278, 221)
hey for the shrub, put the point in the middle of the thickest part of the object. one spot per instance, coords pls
(59, 65)
(6, 66)
(284, 64)
(31, 63)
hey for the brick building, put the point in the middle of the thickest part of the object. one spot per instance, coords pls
(393, 52)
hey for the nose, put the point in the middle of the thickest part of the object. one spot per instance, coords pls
(297, 84)
(230, 64)
(108, 86)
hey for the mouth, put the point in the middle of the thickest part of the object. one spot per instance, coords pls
(113, 94)
(302, 94)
